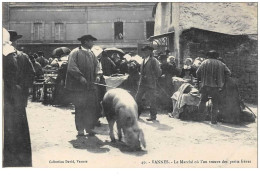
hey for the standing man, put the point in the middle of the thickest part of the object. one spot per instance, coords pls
(26, 71)
(212, 73)
(25, 77)
(84, 69)
(150, 72)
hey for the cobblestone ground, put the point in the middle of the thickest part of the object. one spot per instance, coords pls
(170, 142)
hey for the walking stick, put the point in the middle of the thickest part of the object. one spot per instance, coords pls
(247, 108)
(106, 86)
(242, 102)
(103, 85)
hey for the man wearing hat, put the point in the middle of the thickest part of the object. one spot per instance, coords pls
(83, 71)
(26, 71)
(41, 59)
(150, 72)
(211, 73)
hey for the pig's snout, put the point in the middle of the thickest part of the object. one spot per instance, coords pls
(134, 138)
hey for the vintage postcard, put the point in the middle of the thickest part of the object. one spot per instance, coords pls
(130, 84)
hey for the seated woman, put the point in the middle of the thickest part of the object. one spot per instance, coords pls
(123, 67)
(197, 62)
(116, 59)
(185, 72)
(188, 71)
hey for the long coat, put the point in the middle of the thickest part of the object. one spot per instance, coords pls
(26, 75)
(81, 63)
(17, 144)
(150, 72)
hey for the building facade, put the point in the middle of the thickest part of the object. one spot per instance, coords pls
(230, 28)
(46, 26)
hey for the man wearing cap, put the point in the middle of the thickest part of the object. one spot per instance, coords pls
(150, 72)
(41, 59)
(17, 74)
(211, 74)
(83, 71)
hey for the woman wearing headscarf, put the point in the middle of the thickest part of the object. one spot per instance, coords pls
(188, 70)
(17, 144)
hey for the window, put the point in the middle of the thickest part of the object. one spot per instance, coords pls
(59, 31)
(149, 29)
(37, 31)
(118, 30)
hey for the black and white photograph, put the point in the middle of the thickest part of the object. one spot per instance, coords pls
(130, 84)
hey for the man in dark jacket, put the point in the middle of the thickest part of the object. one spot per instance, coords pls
(26, 70)
(83, 71)
(150, 72)
(211, 74)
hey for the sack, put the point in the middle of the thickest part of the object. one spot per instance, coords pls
(247, 116)
(190, 113)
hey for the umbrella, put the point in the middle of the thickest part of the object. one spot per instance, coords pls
(127, 57)
(97, 50)
(115, 50)
(138, 59)
(61, 51)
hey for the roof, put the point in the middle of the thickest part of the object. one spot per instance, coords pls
(227, 18)
(193, 28)
(251, 36)
(160, 36)
(80, 4)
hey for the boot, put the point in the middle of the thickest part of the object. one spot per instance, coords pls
(152, 118)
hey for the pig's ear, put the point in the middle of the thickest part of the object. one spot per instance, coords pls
(141, 138)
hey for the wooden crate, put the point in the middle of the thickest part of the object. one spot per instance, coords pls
(37, 91)
(48, 91)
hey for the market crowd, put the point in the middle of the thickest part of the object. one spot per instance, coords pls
(81, 74)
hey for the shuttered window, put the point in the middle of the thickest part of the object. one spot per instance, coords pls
(59, 31)
(38, 31)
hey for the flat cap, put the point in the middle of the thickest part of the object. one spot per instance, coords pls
(145, 48)
(87, 37)
(212, 54)
(14, 35)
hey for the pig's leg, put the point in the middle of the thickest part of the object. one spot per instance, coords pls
(119, 131)
(111, 133)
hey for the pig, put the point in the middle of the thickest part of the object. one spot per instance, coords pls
(120, 107)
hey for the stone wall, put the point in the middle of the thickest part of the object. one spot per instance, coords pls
(241, 57)
(245, 69)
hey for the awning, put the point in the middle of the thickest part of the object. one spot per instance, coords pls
(160, 36)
